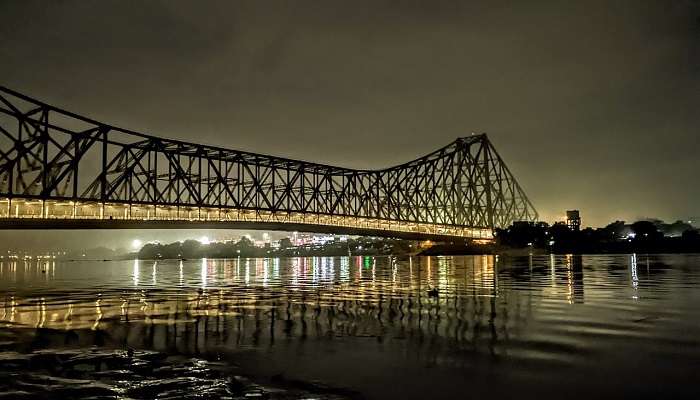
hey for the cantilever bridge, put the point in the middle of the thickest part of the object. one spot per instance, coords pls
(62, 170)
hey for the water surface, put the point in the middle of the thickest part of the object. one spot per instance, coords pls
(364, 327)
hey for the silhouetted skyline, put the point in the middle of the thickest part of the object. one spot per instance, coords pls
(590, 104)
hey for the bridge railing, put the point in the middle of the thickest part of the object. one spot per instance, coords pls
(80, 210)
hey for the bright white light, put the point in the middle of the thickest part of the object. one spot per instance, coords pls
(204, 272)
(136, 244)
(204, 240)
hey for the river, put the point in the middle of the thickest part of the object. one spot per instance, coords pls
(352, 327)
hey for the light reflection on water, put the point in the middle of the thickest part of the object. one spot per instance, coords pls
(533, 322)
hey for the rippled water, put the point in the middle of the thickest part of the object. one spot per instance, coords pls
(350, 327)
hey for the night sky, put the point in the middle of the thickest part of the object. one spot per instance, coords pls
(593, 104)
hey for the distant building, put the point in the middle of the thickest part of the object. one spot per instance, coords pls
(573, 220)
(306, 239)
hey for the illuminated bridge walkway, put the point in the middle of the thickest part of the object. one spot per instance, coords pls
(62, 170)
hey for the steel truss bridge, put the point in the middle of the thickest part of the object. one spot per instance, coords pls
(62, 170)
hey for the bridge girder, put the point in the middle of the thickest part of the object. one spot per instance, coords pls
(49, 154)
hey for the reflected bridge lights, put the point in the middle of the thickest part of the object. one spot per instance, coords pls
(135, 272)
(154, 279)
(203, 273)
(634, 276)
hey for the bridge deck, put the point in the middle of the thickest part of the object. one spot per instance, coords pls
(39, 214)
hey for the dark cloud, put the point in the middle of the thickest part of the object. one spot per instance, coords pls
(592, 104)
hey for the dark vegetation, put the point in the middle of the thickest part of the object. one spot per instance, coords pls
(651, 236)
(246, 248)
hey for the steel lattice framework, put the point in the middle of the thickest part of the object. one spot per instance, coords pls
(56, 164)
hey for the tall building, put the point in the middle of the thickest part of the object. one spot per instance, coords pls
(573, 220)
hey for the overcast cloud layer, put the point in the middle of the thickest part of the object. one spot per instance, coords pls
(593, 104)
